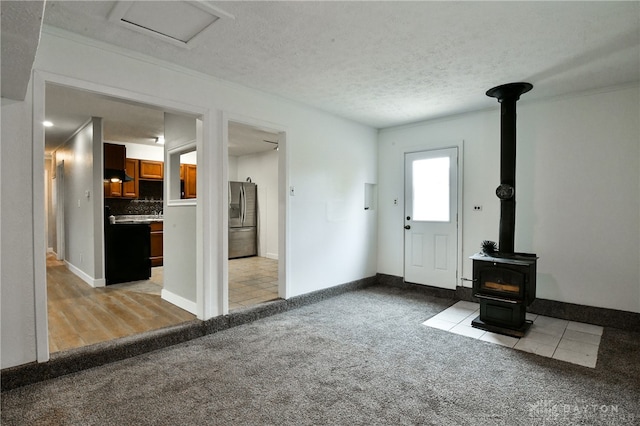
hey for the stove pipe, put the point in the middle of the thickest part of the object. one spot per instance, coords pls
(508, 95)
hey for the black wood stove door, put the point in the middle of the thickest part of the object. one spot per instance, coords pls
(501, 281)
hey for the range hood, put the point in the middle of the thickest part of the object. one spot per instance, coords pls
(115, 175)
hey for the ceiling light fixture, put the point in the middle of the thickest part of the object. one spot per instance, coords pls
(160, 140)
(47, 124)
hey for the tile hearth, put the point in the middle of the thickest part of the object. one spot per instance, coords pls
(567, 341)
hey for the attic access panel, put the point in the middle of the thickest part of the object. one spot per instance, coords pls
(159, 19)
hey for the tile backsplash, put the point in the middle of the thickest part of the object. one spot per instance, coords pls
(122, 206)
(149, 200)
(150, 190)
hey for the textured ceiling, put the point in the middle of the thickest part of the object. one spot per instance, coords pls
(130, 122)
(21, 22)
(390, 63)
(68, 109)
(378, 63)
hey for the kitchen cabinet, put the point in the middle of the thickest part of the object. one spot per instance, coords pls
(114, 156)
(130, 189)
(112, 189)
(157, 248)
(124, 189)
(190, 174)
(114, 160)
(151, 170)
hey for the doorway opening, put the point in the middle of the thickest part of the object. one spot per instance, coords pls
(85, 305)
(254, 214)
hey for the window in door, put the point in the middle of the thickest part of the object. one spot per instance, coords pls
(431, 190)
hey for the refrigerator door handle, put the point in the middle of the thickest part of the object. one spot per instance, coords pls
(243, 203)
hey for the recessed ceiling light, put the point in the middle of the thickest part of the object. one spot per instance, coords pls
(47, 123)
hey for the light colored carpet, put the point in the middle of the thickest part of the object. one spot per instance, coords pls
(361, 358)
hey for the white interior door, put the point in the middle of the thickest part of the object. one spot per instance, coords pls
(431, 218)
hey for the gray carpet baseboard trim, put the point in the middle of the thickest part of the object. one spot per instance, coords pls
(622, 320)
(67, 362)
(393, 281)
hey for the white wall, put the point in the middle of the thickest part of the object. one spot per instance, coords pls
(329, 159)
(143, 152)
(233, 168)
(263, 170)
(332, 237)
(578, 192)
(17, 321)
(82, 202)
(180, 257)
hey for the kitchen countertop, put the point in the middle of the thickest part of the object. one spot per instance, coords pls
(138, 218)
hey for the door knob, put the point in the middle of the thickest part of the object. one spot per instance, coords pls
(407, 227)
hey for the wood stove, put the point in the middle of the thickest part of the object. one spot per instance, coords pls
(505, 286)
(505, 281)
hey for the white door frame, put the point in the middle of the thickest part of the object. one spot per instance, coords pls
(433, 147)
(60, 240)
(208, 212)
(284, 288)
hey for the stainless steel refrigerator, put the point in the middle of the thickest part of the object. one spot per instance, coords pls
(243, 219)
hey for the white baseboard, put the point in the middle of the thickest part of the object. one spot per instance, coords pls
(179, 301)
(272, 256)
(50, 250)
(93, 282)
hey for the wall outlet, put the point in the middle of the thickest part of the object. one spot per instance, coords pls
(292, 190)
(477, 208)
(395, 201)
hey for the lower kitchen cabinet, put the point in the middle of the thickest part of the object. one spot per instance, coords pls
(157, 248)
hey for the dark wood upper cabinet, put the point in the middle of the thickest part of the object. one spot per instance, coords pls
(114, 156)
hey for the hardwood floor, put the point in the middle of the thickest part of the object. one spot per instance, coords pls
(80, 315)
